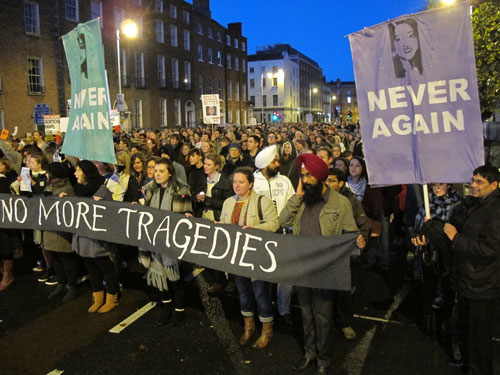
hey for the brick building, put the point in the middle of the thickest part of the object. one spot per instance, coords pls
(179, 54)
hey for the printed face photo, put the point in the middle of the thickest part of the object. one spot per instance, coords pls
(405, 48)
(211, 110)
(405, 41)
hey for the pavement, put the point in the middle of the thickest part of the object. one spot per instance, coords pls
(41, 336)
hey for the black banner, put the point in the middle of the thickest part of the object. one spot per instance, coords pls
(319, 262)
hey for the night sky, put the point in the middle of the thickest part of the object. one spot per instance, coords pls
(316, 30)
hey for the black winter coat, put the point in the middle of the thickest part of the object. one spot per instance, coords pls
(475, 270)
(220, 192)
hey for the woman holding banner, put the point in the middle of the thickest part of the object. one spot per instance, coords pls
(251, 210)
(96, 254)
(166, 192)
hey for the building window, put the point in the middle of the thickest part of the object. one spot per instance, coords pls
(31, 18)
(161, 72)
(237, 91)
(200, 52)
(200, 29)
(264, 100)
(219, 58)
(252, 70)
(177, 112)
(229, 90)
(252, 99)
(275, 81)
(275, 69)
(72, 10)
(221, 90)
(2, 123)
(139, 69)
(219, 36)
(185, 17)
(209, 33)
(210, 85)
(235, 43)
(1, 85)
(275, 100)
(159, 6)
(35, 75)
(237, 116)
(228, 61)
(187, 40)
(160, 37)
(140, 30)
(228, 40)
(137, 2)
(96, 10)
(137, 114)
(163, 112)
(200, 82)
(252, 83)
(230, 116)
(173, 11)
(243, 65)
(187, 75)
(173, 36)
(210, 56)
(244, 92)
(243, 46)
(263, 81)
(236, 64)
(175, 73)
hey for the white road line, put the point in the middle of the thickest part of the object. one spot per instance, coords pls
(354, 362)
(56, 372)
(132, 318)
(375, 319)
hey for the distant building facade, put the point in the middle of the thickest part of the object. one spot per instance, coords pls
(179, 54)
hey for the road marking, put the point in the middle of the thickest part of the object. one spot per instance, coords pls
(56, 372)
(376, 319)
(132, 318)
(354, 362)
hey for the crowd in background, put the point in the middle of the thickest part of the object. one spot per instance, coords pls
(211, 172)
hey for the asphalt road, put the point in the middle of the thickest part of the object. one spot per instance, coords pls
(41, 336)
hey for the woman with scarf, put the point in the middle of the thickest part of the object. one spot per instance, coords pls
(288, 163)
(166, 192)
(251, 210)
(431, 262)
(372, 202)
(95, 254)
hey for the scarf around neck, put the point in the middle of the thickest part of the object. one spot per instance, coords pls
(358, 188)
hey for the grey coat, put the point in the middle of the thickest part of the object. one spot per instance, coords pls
(88, 247)
(58, 241)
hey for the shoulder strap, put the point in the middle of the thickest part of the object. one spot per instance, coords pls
(259, 208)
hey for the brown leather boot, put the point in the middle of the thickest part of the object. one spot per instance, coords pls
(8, 274)
(111, 303)
(249, 330)
(98, 301)
(265, 337)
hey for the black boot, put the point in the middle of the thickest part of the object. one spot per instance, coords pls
(178, 317)
(71, 294)
(58, 291)
(166, 312)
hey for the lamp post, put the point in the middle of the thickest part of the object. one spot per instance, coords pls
(332, 111)
(269, 75)
(129, 29)
(311, 91)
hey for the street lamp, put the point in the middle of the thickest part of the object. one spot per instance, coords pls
(333, 98)
(269, 75)
(129, 29)
(312, 90)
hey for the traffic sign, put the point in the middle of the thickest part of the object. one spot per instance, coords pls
(40, 110)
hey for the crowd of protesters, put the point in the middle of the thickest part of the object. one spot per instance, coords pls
(294, 179)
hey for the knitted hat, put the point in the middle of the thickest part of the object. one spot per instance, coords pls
(57, 170)
(314, 165)
(234, 145)
(266, 156)
(89, 169)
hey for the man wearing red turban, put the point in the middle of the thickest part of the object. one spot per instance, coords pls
(317, 210)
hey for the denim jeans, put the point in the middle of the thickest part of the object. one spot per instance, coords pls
(284, 298)
(254, 294)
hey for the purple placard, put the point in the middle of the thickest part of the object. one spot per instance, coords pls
(418, 97)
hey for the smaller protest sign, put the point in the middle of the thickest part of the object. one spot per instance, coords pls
(52, 123)
(211, 109)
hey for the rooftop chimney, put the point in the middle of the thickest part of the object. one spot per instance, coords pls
(202, 7)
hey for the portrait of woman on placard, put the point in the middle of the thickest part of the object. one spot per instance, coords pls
(211, 110)
(405, 45)
(83, 60)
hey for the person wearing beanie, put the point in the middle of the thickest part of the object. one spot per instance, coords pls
(317, 210)
(66, 262)
(95, 253)
(234, 159)
(270, 183)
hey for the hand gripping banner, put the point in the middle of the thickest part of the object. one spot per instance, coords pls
(418, 97)
(89, 135)
(318, 262)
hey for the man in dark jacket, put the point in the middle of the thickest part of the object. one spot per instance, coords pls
(475, 234)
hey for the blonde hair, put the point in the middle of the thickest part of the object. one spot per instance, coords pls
(123, 158)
